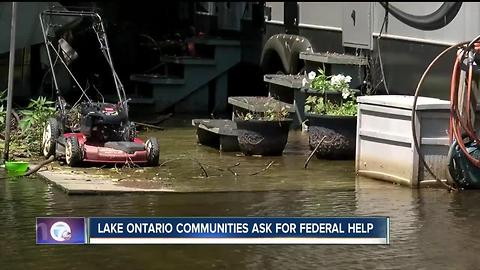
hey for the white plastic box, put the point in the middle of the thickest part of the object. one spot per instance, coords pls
(384, 146)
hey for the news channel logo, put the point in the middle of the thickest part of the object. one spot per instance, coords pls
(61, 230)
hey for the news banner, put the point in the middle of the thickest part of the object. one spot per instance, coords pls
(213, 230)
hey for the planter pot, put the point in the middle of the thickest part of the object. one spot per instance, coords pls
(340, 132)
(259, 137)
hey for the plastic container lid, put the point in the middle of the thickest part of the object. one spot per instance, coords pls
(405, 102)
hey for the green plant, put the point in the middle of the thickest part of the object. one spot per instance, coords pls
(318, 105)
(3, 109)
(268, 115)
(28, 136)
(338, 83)
(273, 112)
(32, 120)
(348, 108)
(322, 82)
(36, 113)
(3, 114)
(314, 104)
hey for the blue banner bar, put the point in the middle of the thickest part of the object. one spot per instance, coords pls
(225, 230)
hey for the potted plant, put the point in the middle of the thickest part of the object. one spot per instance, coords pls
(331, 110)
(263, 133)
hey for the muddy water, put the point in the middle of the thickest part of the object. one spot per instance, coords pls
(235, 172)
(430, 229)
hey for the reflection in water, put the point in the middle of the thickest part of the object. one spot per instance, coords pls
(430, 229)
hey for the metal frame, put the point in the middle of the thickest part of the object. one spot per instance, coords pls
(99, 30)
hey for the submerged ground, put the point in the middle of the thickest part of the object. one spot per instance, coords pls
(430, 228)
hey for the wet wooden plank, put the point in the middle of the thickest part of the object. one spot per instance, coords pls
(90, 183)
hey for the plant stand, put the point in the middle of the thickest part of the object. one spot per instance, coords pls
(217, 133)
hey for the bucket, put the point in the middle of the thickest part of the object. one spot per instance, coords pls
(16, 167)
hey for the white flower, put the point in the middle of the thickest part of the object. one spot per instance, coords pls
(312, 75)
(304, 82)
(345, 93)
(334, 79)
(348, 79)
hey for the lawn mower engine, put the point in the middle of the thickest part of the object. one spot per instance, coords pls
(104, 122)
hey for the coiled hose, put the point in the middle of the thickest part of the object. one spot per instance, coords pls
(457, 122)
(460, 124)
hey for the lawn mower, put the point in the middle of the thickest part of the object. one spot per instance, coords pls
(89, 131)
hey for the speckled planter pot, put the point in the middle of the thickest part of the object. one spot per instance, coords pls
(340, 132)
(266, 138)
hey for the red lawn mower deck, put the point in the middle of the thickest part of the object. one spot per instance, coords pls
(98, 142)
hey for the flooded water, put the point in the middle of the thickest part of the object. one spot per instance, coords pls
(430, 229)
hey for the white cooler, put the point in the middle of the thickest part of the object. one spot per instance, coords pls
(384, 146)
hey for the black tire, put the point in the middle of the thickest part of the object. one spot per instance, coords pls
(51, 131)
(153, 151)
(73, 152)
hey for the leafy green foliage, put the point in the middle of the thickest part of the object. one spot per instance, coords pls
(3, 109)
(29, 135)
(273, 112)
(318, 105)
(36, 113)
(321, 81)
(337, 83)
(3, 114)
(348, 108)
(268, 115)
(314, 104)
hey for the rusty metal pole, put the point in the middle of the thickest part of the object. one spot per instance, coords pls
(11, 66)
